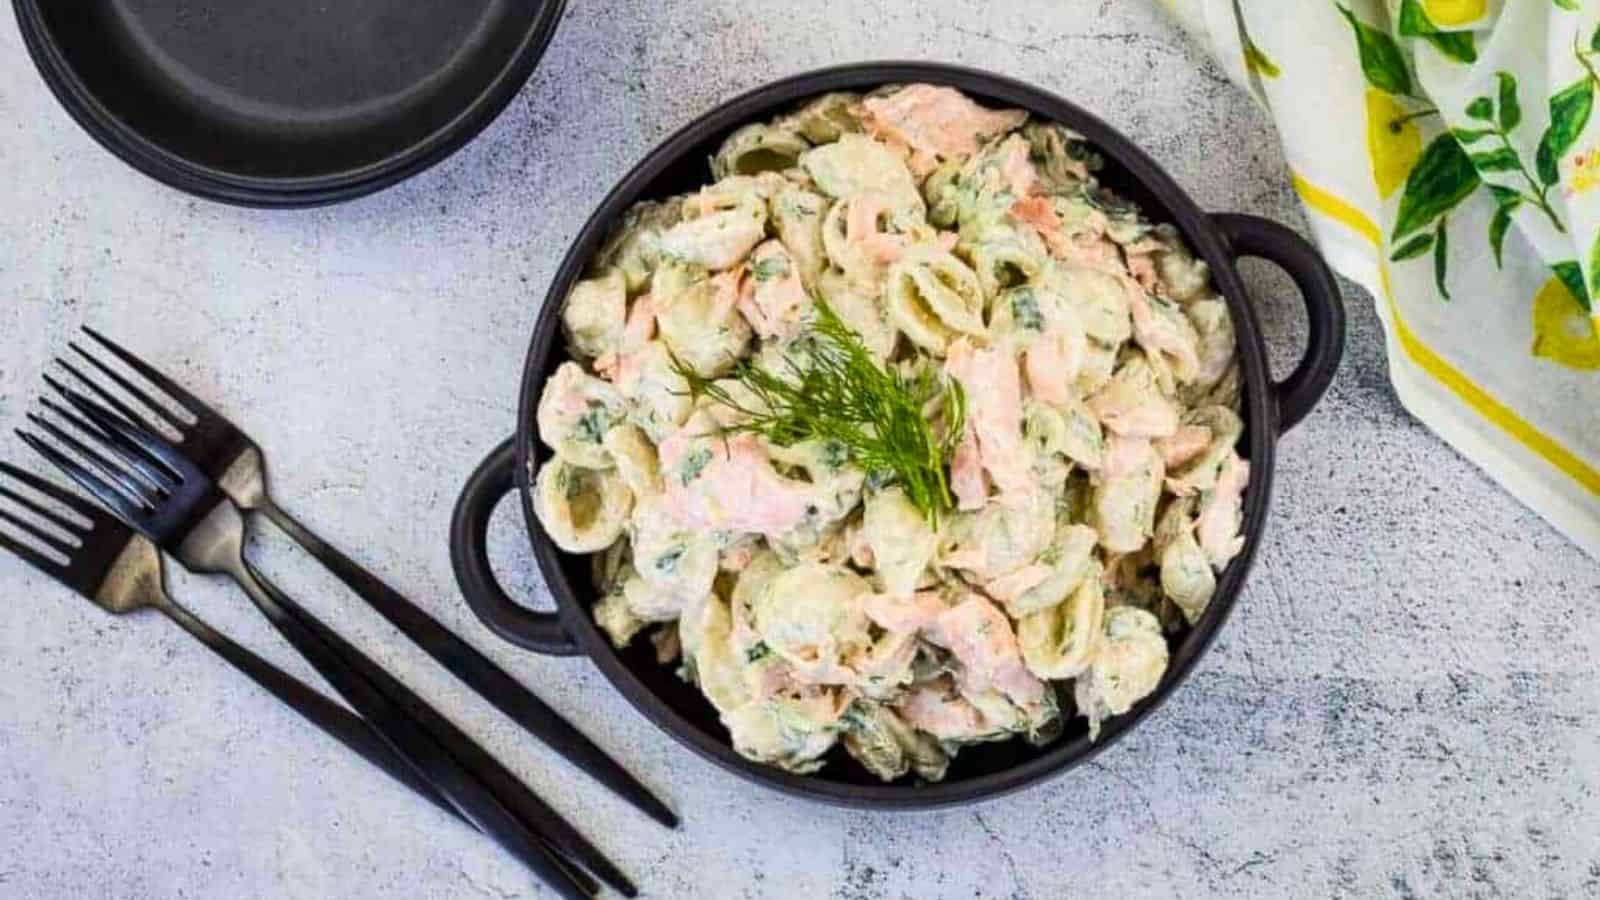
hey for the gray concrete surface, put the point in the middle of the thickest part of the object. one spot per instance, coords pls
(1404, 706)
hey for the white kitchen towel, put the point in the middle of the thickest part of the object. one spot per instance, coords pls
(1448, 154)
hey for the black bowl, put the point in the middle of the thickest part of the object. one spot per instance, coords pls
(986, 770)
(287, 104)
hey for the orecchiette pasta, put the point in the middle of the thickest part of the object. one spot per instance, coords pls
(812, 616)
(1126, 667)
(700, 322)
(1186, 575)
(656, 394)
(855, 165)
(635, 459)
(635, 248)
(797, 216)
(888, 747)
(720, 236)
(583, 510)
(575, 412)
(795, 578)
(1126, 494)
(902, 541)
(594, 314)
(827, 118)
(1101, 301)
(1132, 404)
(863, 311)
(934, 298)
(1059, 641)
(674, 565)
(759, 148)
(1068, 561)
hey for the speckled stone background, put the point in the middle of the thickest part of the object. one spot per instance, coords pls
(1405, 704)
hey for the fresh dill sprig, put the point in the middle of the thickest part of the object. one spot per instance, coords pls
(834, 390)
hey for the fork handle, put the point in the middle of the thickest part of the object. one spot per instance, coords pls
(477, 671)
(392, 709)
(505, 785)
(338, 722)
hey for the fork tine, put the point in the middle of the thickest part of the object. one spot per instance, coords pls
(111, 399)
(33, 557)
(42, 511)
(147, 442)
(85, 479)
(127, 487)
(152, 470)
(172, 389)
(44, 537)
(61, 495)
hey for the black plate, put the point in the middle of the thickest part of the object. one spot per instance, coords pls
(285, 102)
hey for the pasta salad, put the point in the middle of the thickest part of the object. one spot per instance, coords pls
(903, 434)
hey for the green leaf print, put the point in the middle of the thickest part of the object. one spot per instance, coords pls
(1504, 196)
(1503, 159)
(1414, 22)
(1458, 45)
(1503, 117)
(1594, 268)
(1571, 274)
(1498, 228)
(1381, 60)
(1506, 202)
(1441, 257)
(1510, 109)
(1594, 42)
(1568, 4)
(1413, 248)
(1472, 135)
(1442, 178)
(1569, 114)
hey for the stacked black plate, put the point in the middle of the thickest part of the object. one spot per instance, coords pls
(285, 103)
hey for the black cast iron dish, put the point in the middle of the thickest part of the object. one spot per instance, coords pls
(977, 772)
(290, 103)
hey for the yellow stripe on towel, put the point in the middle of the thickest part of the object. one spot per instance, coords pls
(1475, 397)
(1338, 210)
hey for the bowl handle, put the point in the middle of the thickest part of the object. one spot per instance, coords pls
(469, 554)
(1266, 239)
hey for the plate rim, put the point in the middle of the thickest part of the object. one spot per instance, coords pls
(207, 182)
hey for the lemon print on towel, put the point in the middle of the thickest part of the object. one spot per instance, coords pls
(1453, 13)
(1562, 330)
(1393, 141)
(1394, 138)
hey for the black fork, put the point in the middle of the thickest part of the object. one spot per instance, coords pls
(141, 478)
(121, 572)
(231, 459)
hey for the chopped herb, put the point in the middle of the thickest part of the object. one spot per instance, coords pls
(835, 455)
(571, 481)
(695, 464)
(668, 561)
(837, 391)
(854, 717)
(770, 268)
(1025, 308)
(592, 425)
(759, 652)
